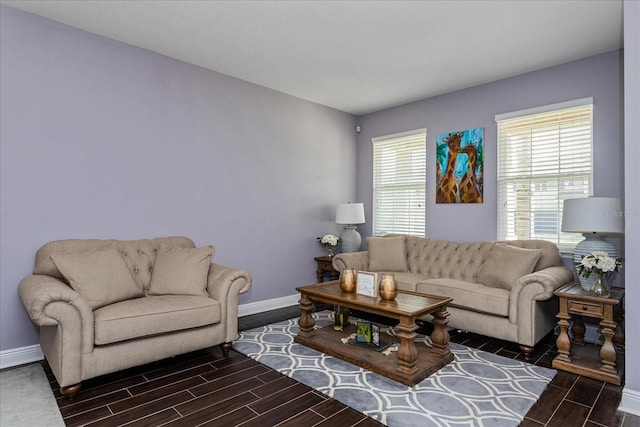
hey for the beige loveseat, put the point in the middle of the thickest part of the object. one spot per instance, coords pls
(106, 305)
(499, 289)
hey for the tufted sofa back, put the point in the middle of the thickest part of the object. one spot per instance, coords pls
(441, 258)
(462, 261)
(139, 255)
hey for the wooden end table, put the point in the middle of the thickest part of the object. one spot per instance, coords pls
(582, 359)
(412, 362)
(325, 268)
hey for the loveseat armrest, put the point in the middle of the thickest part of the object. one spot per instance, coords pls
(225, 284)
(357, 260)
(50, 302)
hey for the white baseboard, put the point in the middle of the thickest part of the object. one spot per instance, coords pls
(630, 401)
(266, 305)
(33, 353)
(20, 356)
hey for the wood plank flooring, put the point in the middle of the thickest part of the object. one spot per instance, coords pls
(203, 388)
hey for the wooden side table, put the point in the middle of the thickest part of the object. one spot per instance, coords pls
(582, 359)
(325, 268)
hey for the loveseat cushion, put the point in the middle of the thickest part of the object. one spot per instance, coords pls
(153, 315)
(505, 264)
(101, 275)
(387, 253)
(471, 296)
(180, 271)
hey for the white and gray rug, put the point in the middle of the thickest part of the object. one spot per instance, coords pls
(26, 399)
(476, 389)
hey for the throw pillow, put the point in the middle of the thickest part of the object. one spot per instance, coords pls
(180, 271)
(505, 264)
(101, 276)
(387, 254)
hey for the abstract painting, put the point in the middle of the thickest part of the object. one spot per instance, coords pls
(459, 172)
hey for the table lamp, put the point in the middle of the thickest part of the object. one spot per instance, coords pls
(593, 217)
(349, 215)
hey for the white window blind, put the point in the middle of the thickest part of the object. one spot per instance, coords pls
(543, 159)
(399, 174)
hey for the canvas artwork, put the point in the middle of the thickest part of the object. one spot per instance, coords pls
(459, 166)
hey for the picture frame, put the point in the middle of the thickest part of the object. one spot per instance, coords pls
(367, 284)
(363, 332)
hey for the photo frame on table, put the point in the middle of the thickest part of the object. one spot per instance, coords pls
(367, 284)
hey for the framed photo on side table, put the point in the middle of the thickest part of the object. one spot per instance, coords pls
(367, 284)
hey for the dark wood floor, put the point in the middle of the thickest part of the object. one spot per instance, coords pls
(203, 388)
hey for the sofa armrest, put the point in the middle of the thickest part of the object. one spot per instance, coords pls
(50, 302)
(225, 284)
(537, 286)
(357, 260)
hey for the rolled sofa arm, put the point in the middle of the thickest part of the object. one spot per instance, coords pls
(225, 284)
(50, 302)
(551, 278)
(537, 286)
(357, 260)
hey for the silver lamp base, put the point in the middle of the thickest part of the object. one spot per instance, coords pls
(351, 239)
(592, 243)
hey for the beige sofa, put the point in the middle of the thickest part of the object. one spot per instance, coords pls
(499, 289)
(106, 305)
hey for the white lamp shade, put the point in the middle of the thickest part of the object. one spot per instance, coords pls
(593, 215)
(350, 213)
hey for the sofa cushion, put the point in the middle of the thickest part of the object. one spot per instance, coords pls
(387, 254)
(180, 271)
(471, 296)
(505, 264)
(101, 275)
(153, 315)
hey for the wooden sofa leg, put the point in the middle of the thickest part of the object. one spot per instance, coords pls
(527, 351)
(225, 346)
(70, 391)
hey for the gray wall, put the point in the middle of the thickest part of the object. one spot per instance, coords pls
(599, 77)
(631, 393)
(104, 140)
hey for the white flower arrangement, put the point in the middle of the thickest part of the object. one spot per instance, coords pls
(600, 262)
(330, 242)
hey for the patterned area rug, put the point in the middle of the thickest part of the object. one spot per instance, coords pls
(476, 389)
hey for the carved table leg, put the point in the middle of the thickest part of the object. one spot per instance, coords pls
(577, 330)
(563, 342)
(407, 353)
(608, 351)
(440, 335)
(306, 321)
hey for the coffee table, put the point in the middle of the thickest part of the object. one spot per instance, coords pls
(412, 362)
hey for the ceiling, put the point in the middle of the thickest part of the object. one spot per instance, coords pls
(355, 56)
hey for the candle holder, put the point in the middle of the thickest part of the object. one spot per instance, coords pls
(388, 287)
(348, 280)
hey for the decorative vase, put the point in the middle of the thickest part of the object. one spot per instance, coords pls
(348, 279)
(599, 289)
(338, 318)
(388, 287)
(331, 251)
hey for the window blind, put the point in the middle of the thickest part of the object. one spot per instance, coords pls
(399, 175)
(543, 159)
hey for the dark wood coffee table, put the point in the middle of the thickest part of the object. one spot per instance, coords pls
(412, 363)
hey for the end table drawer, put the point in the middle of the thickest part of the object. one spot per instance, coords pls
(579, 307)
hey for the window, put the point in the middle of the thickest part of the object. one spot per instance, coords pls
(544, 157)
(399, 174)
